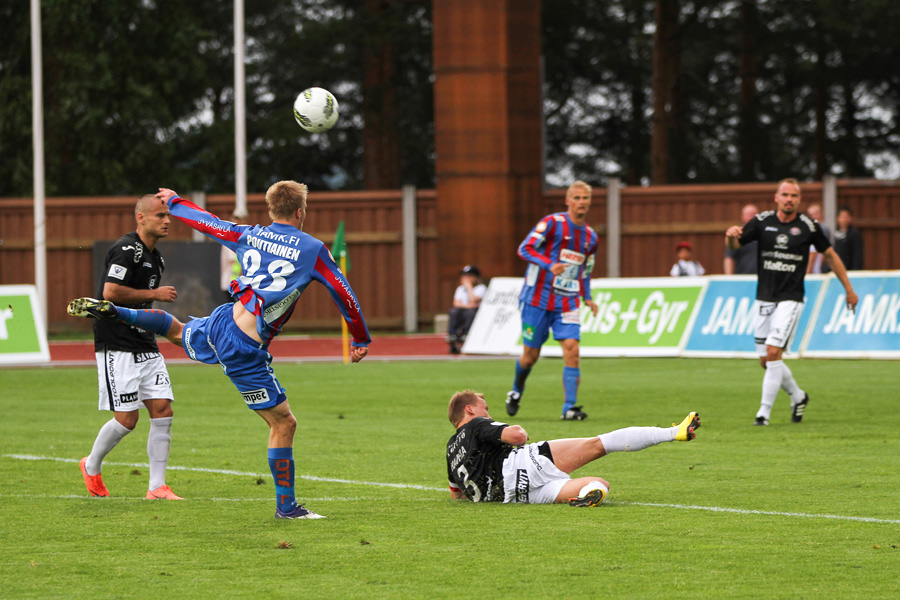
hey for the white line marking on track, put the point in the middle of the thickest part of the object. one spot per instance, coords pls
(740, 511)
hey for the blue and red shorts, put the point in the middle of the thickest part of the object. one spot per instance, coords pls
(537, 324)
(246, 362)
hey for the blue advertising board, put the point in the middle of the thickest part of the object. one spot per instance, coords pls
(724, 323)
(872, 331)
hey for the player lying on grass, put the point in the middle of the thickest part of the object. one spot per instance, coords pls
(489, 461)
(279, 261)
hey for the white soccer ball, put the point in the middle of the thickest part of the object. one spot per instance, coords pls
(316, 109)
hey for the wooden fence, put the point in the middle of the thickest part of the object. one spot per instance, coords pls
(653, 220)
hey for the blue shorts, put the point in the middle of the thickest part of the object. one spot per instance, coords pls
(246, 362)
(537, 323)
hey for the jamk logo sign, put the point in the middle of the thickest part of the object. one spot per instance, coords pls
(874, 315)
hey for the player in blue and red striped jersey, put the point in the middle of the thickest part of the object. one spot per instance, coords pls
(560, 250)
(278, 262)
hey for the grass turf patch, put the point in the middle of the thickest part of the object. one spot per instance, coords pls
(786, 494)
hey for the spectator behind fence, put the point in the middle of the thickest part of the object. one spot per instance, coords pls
(743, 261)
(848, 242)
(686, 266)
(465, 304)
(816, 260)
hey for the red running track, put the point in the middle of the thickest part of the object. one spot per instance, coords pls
(286, 347)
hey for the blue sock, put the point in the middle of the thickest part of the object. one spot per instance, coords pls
(521, 376)
(157, 321)
(281, 463)
(571, 378)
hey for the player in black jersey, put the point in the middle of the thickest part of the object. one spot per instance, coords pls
(488, 461)
(131, 370)
(784, 237)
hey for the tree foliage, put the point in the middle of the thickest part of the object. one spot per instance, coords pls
(139, 93)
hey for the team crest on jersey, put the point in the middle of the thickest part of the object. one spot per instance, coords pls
(781, 241)
(541, 227)
(795, 231)
(117, 271)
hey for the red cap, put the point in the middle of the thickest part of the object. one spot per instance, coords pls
(683, 245)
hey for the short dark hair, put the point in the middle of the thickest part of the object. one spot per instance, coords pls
(845, 209)
(144, 203)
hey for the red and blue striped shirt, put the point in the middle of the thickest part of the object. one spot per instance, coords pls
(556, 239)
(277, 262)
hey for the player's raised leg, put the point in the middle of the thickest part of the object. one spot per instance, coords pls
(151, 319)
(573, 453)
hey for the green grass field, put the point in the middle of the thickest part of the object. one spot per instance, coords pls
(787, 511)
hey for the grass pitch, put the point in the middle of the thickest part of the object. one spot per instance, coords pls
(785, 511)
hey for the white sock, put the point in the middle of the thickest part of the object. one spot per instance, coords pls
(632, 439)
(771, 384)
(594, 485)
(790, 386)
(110, 434)
(158, 442)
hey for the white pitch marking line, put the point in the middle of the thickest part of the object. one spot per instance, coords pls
(437, 489)
(744, 511)
(241, 473)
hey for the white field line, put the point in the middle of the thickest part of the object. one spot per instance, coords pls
(141, 498)
(440, 489)
(241, 473)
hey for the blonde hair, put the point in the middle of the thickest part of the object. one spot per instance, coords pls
(580, 184)
(458, 403)
(284, 198)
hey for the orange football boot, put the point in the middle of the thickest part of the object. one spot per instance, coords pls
(94, 483)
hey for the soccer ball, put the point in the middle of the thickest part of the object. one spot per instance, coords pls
(316, 109)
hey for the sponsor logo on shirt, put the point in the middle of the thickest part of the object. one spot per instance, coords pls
(570, 256)
(279, 308)
(187, 344)
(138, 251)
(771, 265)
(256, 396)
(117, 272)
